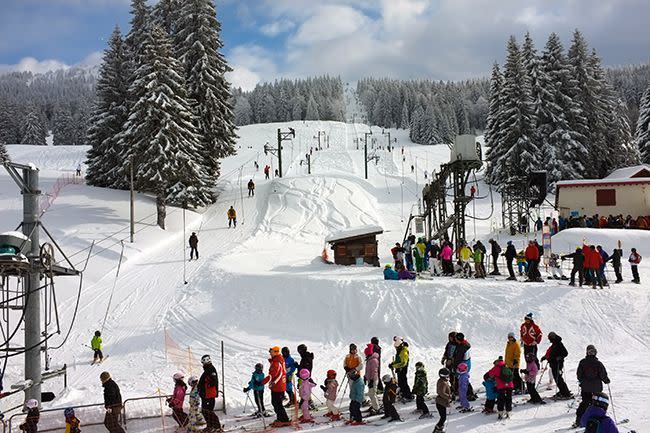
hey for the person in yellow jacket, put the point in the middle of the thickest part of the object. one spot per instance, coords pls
(465, 255)
(400, 366)
(232, 217)
(512, 358)
(96, 346)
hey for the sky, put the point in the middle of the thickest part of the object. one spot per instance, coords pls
(268, 39)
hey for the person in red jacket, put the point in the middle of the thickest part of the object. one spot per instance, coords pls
(532, 257)
(504, 387)
(277, 380)
(593, 260)
(531, 335)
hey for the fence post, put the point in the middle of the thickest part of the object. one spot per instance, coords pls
(162, 413)
(65, 376)
(223, 381)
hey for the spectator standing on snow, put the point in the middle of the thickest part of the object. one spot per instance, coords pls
(194, 246)
(591, 376)
(532, 257)
(444, 398)
(208, 391)
(400, 364)
(555, 355)
(371, 377)
(512, 358)
(267, 171)
(112, 403)
(635, 259)
(420, 389)
(578, 266)
(251, 188)
(616, 257)
(78, 169)
(510, 255)
(495, 252)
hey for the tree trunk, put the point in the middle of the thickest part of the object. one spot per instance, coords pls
(162, 211)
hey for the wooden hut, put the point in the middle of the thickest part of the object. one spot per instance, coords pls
(355, 246)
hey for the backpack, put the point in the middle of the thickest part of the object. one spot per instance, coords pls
(506, 374)
(593, 424)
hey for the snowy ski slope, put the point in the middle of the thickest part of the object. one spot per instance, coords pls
(264, 283)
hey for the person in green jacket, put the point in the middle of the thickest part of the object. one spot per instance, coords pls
(400, 365)
(478, 263)
(419, 252)
(96, 346)
(420, 389)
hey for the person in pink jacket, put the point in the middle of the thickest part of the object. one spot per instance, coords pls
(503, 377)
(177, 399)
(306, 386)
(446, 256)
(372, 377)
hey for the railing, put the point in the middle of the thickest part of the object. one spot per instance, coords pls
(64, 180)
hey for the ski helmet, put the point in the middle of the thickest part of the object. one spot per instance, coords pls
(397, 341)
(192, 380)
(205, 359)
(591, 350)
(304, 374)
(353, 347)
(462, 367)
(104, 376)
(512, 335)
(259, 366)
(443, 372)
(419, 364)
(386, 378)
(98, 334)
(552, 335)
(529, 316)
(331, 374)
(285, 351)
(275, 350)
(68, 413)
(369, 350)
(302, 348)
(31, 403)
(600, 399)
(178, 376)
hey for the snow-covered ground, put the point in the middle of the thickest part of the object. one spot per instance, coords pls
(264, 283)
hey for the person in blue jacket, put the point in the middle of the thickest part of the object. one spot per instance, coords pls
(390, 273)
(258, 389)
(490, 393)
(357, 388)
(291, 366)
(595, 418)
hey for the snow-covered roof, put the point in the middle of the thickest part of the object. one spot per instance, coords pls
(630, 172)
(354, 232)
(600, 182)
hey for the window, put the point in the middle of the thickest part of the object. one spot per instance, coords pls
(605, 197)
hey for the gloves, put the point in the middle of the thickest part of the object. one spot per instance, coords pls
(542, 359)
(246, 389)
(391, 366)
(323, 388)
(523, 371)
(606, 381)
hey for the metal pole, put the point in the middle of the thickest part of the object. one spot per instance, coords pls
(365, 156)
(132, 203)
(223, 380)
(31, 194)
(279, 152)
(308, 164)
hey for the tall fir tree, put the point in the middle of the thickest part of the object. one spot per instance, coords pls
(166, 148)
(33, 129)
(404, 122)
(243, 111)
(165, 15)
(312, 109)
(198, 47)
(105, 156)
(642, 138)
(4, 155)
(492, 135)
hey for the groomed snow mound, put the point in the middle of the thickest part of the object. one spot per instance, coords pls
(570, 239)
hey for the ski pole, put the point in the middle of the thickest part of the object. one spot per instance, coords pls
(541, 376)
(343, 394)
(246, 402)
(260, 403)
(609, 391)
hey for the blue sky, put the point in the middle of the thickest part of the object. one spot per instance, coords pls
(266, 39)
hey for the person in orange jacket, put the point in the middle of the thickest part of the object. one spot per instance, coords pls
(277, 380)
(532, 257)
(593, 260)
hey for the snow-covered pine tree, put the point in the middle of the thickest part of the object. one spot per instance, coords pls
(404, 122)
(565, 155)
(415, 133)
(642, 138)
(134, 41)
(4, 155)
(312, 109)
(297, 110)
(63, 128)
(198, 47)
(520, 153)
(165, 14)
(492, 134)
(33, 129)
(243, 111)
(166, 148)
(9, 125)
(110, 112)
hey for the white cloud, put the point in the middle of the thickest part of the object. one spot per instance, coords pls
(243, 77)
(330, 22)
(275, 28)
(251, 64)
(30, 64)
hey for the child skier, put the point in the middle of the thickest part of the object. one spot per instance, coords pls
(257, 377)
(522, 264)
(390, 395)
(503, 377)
(443, 399)
(177, 399)
(331, 388)
(420, 389)
(555, 266)
(371, 377)
(33, 415)
(353, 360)
(595, 419)
(71, 422)
(356, 397)
(530, 377)
(490, 394)
(463, 383)
(96, 346)
(195, 417)
(290, 365)
(306, 386)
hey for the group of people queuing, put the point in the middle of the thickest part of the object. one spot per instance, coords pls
(417, 256)
(606, 222)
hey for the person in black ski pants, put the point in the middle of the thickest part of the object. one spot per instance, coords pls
(555, 355)
(510, 255)
(578, 266)
(401, 365)
(208, 391)
(591, 376)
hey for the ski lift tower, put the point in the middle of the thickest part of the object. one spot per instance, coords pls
(32, 264)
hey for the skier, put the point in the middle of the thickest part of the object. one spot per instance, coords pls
(603, 264)
(478, 263)
(495, 250)
(112, 403)
(398, 253)
(371, 377)
(390, 273)
(78, 169)
(175, 402)
(307, 362)
(412, 168)
(352, 360)
(257, 377)
(408, 253)
(420, 389)
(635, 259)
(433, 251)
(465, 254)
(251, 188)
(33, 417)
(194, 246)
(490, 393)
(446, 255)
(277, 173)
(530, 376)
(448, 357)
(512, 358)
(591, 376)
(616, 256)
(462, 355)
(531, 334)
(595, 419)
(96, 346)
(522, 264)
(479, 245)
(290, 366)
(555, 266)
(267, 171)
(277, 380)
(389, 398)
(71, 421)
(306, 385)
(232, 217)
(330, 388)
(377, 349)
(503, 377)
(208, 391)
(195, 417)
(532, 257)
(592, 263)
(356, 397)
(510, 255)
(463, 387)
(578, 266)
(400, 365)
(444, 398)
(555, 355)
